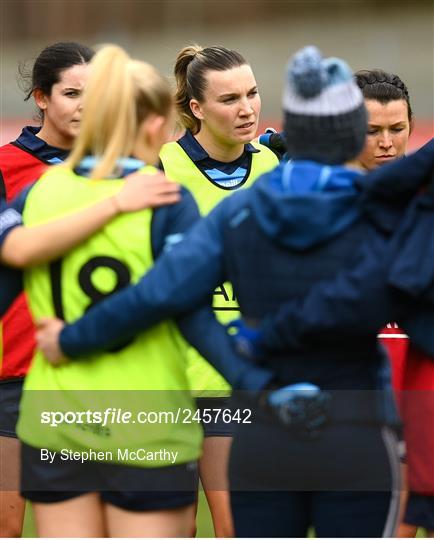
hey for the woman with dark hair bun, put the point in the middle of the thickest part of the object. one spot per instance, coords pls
(390, 117)
(50, 69)
(390, 124)
(56, 84)
(389, 127)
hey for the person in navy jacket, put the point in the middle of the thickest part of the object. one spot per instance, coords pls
(300, 224)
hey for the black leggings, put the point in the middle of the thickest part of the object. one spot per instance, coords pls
(336, 514)
(345, 483)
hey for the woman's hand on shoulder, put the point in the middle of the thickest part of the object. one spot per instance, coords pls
(146, 191)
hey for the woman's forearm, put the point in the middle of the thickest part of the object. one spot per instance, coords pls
(29, 246)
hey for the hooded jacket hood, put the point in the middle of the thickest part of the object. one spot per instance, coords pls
(301, 204)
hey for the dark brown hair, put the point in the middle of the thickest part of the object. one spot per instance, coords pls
(191, 66)
(49, 65)
(383, 87)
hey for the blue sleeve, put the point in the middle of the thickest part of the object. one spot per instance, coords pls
(412, 270)
(355, 303)
(387, 190)
(11, 214)
(11, 279)
(11, 285)
(359, 300)
(402, 178)
(200, 328)
(170, 223)
(211, 340)
(181, 280)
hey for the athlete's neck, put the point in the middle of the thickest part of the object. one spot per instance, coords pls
(218, 150)
(54, 139)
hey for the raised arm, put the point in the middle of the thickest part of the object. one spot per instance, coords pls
(356, 302)
(402, 178)
(29, 246)
(360, 298)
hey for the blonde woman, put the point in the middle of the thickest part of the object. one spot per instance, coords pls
(127, 111)
(56, 83)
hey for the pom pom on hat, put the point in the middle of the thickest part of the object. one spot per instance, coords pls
(325, 116)
(307, 73)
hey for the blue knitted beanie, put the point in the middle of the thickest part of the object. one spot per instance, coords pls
(325, 116)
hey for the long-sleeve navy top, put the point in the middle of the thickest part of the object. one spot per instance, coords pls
(200, 328)
(184, 277)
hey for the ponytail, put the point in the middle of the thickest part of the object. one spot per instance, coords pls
(120, 94)
(183, 87)
(191, 66)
